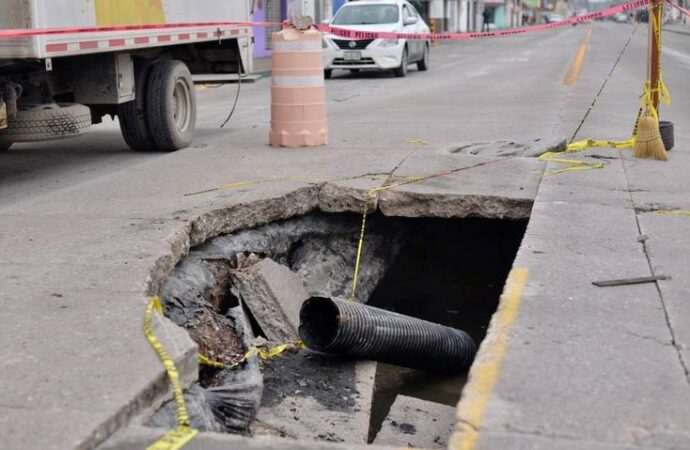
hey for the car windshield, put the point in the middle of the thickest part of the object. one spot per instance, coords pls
(366, 15)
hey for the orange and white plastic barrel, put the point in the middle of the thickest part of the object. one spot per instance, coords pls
(298, 95)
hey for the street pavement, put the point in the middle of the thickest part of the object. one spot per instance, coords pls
(91, 229)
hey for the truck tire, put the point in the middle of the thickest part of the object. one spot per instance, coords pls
(171, 105)
(46, 121)
(132, 115)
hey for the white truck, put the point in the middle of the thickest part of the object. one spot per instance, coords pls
(133, 59)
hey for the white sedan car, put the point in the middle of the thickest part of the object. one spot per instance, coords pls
(397, 16)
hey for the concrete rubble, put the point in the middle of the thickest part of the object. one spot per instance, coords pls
(273, 294)
(271, 271)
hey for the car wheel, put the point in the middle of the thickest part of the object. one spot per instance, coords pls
(423, 64)
(327, 73)
(402, 70)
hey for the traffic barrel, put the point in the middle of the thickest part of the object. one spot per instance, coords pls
(298, 96)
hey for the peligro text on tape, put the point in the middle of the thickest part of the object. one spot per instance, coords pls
(359, 34)
(336, 31)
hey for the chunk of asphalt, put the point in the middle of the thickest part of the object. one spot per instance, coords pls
(417, 423)
(274, 294)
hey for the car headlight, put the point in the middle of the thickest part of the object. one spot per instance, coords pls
(388, 43)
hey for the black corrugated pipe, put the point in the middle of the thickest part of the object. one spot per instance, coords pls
(348, 328)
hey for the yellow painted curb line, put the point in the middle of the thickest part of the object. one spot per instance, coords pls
(487, 367)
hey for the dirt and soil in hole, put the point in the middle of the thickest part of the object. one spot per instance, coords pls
(445, 271)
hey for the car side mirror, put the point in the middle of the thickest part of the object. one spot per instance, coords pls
(410, 20)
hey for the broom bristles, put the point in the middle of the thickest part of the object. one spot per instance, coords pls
(648, 143)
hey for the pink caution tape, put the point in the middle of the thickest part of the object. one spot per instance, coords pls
(342, 32)
(679, 8)
(24, 32)
(357, 34)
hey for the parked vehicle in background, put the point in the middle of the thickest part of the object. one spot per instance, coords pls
(620, 17)
(56, 85)
(552, 18)
(382, 54)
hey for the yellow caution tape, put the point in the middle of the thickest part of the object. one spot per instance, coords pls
(177, 438)
(263, 354)
(174, 439)
(578, 164)
(211, 363)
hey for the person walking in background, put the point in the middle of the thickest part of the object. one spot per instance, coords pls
(485, 16)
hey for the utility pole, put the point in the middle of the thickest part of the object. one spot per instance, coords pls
(655, 20)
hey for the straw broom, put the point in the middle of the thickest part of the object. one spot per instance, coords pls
(648, 143)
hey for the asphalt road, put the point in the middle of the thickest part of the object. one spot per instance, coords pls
(495, 88)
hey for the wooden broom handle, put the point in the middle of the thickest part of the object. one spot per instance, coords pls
(655, 14)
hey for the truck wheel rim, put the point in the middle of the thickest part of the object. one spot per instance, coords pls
(181, 105)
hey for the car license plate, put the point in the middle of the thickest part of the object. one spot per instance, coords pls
(352, 56)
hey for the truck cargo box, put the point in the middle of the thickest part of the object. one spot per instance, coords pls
(40, 14)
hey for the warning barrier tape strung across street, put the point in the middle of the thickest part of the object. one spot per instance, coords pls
(341, 32)
(358, 34)
(679, 8)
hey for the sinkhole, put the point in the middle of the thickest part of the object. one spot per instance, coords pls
(445, 271)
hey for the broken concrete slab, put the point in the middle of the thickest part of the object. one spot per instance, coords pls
(417, 423)
(464, 186)
(333, 403)
(274, 294)
(349, 195)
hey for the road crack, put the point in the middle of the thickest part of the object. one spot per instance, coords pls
(645, 249)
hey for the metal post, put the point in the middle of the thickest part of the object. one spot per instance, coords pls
(655, 17)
